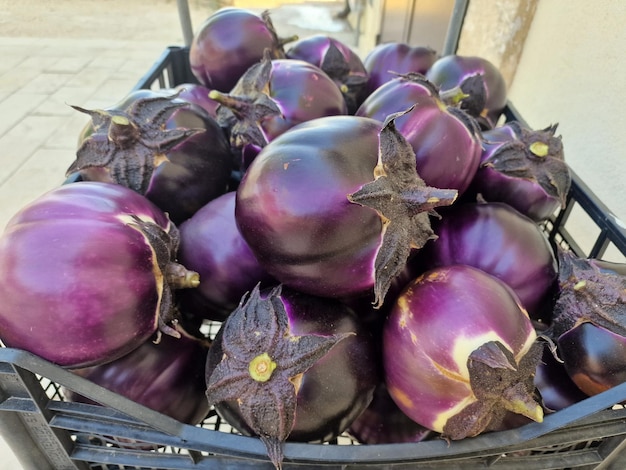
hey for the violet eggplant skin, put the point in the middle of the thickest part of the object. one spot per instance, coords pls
(198, 95)
(337, 60)
(594, 357)
(386, 60)
(227, 43)
(454, 70)
(335, 390)
(555, 386)
(167, 377)
(211, 245)
(524, 168)
(292, 209)
(92, 264)
(445, 140)
(191, 173)
(499, 240)
(433, 341)
(384, 423)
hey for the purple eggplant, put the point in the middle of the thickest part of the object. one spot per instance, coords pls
(444, 138)
(337, 60)
(168, 149)
(589, 323)
(305, 361)
(230, 41)
(313, 204)
(211, 245)
(555, 386)
(199, 95)
(386, 60)
(167, 377)
(524, 168)
(497, 239)
(460, 353)
(87, 272)
(479, 79)
(274, 96)
(384, 423)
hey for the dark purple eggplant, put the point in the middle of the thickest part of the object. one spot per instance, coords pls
(274, 96)
(199, 95)
(337, 60)
(313, 203)
(168, 149)
(589, 323)
(211, 245)
(460, 353)
(499, 240)
(167, 377)
(306, 362)
(386, 60)
(86, 274)
(489, 90)
(444, 138)
(524, 168)
(230, 41)
(384, 423)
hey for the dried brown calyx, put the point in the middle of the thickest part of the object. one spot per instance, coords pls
(403, 202)
(535, 155)
(500, 385)
(132, 142)
(587, 294)
(261, 365)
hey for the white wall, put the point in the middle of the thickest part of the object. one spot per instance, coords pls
(573, 71)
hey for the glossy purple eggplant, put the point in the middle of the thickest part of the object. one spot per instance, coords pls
(386, 60)
(337, 60)
(166, 148)
(228, 42)
(589, 323)
(86, 274)
(524, 168)
(167, 377)
(555, 386)
(198, 95)
(384, 423)
(211, 245)
(306, 361)
(499, 240)
(445, 140)
(460, 71)
(594, 357)
(459, 353)
(303, 206)
(272, 97)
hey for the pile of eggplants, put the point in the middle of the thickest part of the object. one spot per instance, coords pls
(364, 233)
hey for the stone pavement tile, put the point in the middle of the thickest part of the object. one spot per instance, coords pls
(69, 64)
(66, 135)
(10, 61)
(15, 150)
(44, 170)
(15, 78)
(15, 106)
(47, 83)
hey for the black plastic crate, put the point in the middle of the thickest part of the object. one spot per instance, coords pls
(47, 432)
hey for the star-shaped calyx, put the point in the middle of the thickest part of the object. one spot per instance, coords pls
(243, 109)
(403, 202)
(130, 143)
(536, 156)
(259, 364)
(336, 66)
(587, 294)
(500, 384)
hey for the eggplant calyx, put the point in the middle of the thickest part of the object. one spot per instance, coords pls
(500, 384)
(243, 110)
(476, 100)
(336, 66)
(587, 294)
(131, 143)
(536, 156)
(403, 202)
(261, 364)
(277, 51)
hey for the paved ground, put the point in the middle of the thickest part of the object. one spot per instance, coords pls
(59, 52)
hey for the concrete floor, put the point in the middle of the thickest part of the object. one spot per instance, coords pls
(68, 57)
